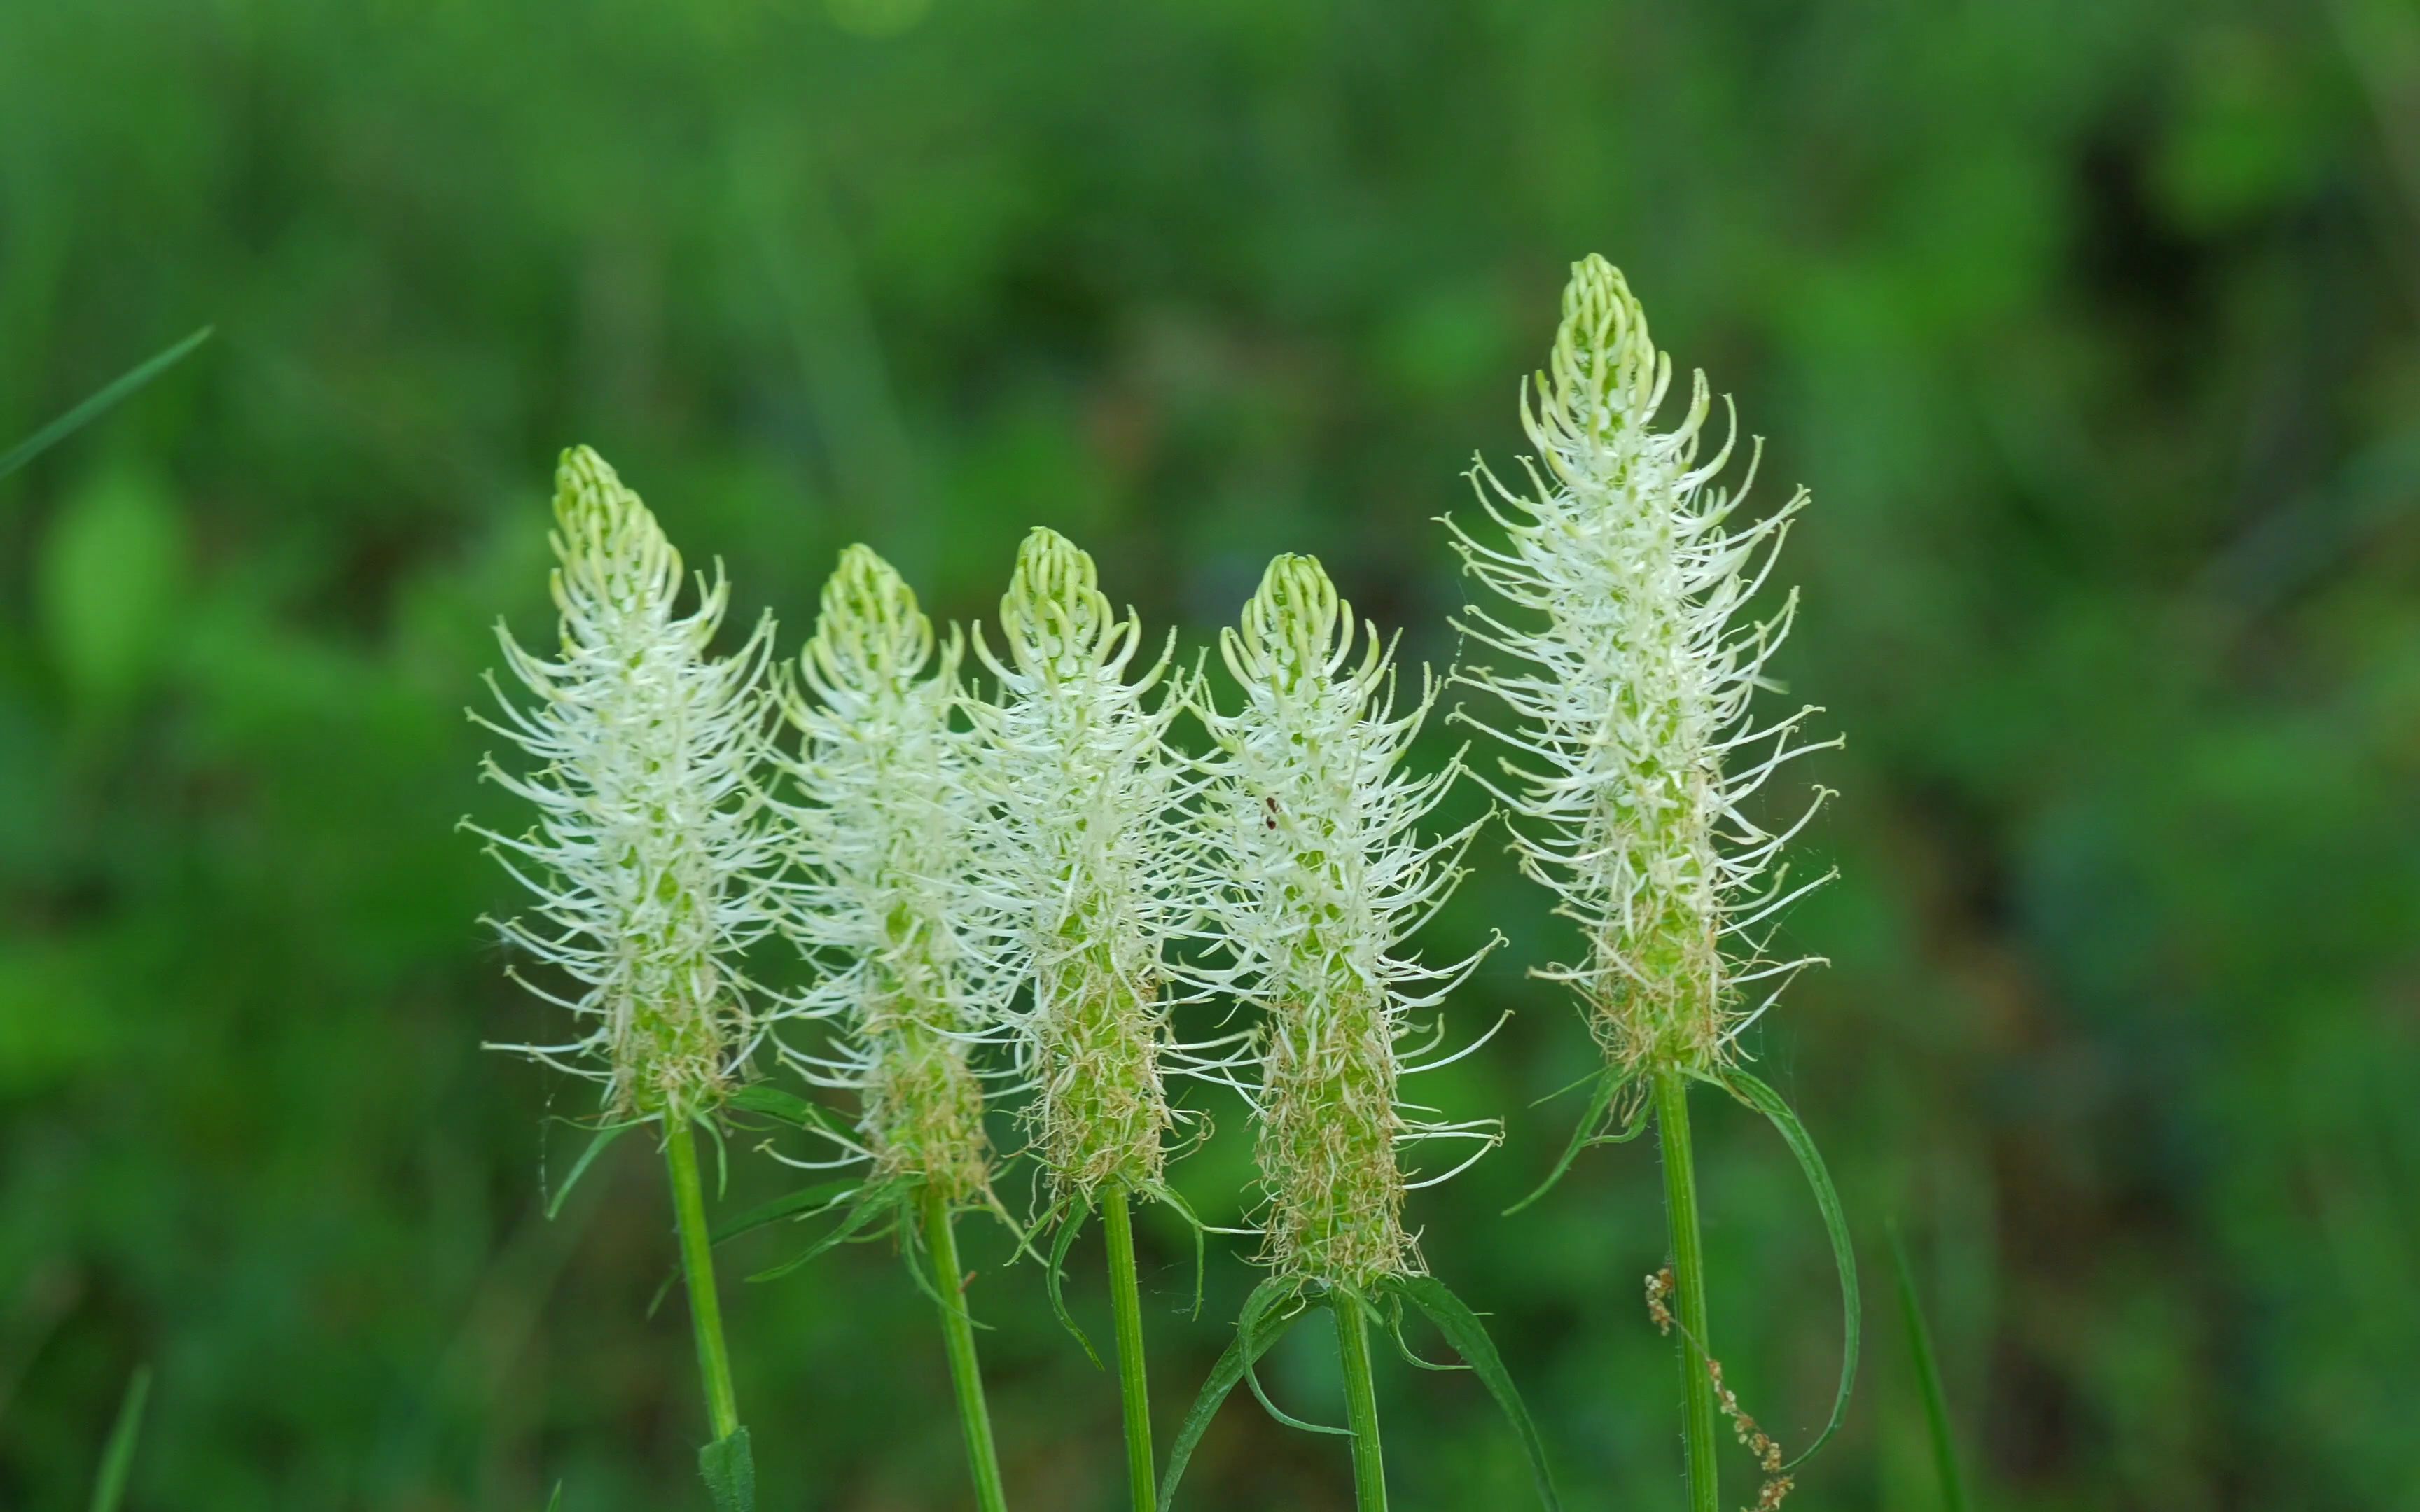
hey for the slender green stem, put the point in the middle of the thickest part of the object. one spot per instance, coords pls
(697, 1269)
(1125, 1298)
(958, 1333)
(1360, 1405)
(1928, 1377)
(1698, 1428)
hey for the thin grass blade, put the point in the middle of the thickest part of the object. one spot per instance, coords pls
(1928, 1377)
(579, 1167)
(100, 404)
(118, 1459)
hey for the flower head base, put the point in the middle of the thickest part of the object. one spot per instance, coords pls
(1630, 686)
(651, 864)
(1081, 785)
(883, 828)
(1321, 877)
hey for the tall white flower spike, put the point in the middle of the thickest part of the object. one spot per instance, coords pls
(1085, 825)
(1321, 878)
(884, 827)
(1629, 679)
(652, 864)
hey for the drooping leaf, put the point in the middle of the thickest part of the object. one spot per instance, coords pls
(117, 1458)
(804, 1203)
(1463, 1330)
(1055, 1275)
(100, 404)
(1261, 1323)
(1757, 1095)
(1928, 1377)
(1608, 1087)
(1261, 1395)
(1162, 1191)
(604, 1136)
(730, 1472)
(872, 1203)
(760, 1096)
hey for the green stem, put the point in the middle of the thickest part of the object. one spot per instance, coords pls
(1125, 1298)
(697, 1269)
(958, 1333)
(1699, 1429)
(1360, 1404)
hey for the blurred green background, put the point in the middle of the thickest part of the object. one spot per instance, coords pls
(2090, 323)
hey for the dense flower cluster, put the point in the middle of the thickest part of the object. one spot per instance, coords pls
(1629, 679)
(654, 863)
(884, 831)
(1322, 875)
(1083, 828)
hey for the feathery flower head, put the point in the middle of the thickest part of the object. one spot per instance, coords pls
(651, 864)
(1321, 877)
(1629, 679)
(1078, 860)
(883, 830)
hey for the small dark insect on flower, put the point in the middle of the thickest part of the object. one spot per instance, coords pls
(1272, 820)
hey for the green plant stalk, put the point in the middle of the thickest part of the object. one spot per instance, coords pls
(1928, 1377)
(958, 1334)
(1125, 1298)
(1360, 1405)
(697, 1271)
(1699, 1433)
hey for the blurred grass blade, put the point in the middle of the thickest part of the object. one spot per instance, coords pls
(1463, 1330)
(554, 1502)
(579, 1167)
(118, 1460)
(99, 405)
(1928, 1376)
(1836, 1223)
(730, 1472)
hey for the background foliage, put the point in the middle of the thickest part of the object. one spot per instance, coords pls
(2090, 324)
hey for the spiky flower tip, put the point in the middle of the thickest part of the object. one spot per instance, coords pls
(1630, 669)
(652, 863)
(1084, 793)
(1322, 876)
(884, 826)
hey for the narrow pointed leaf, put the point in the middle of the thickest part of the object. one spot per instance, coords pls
(756, 1097)
(1757, 1095)
(1607, 1086)
(730, 1472)
(804, 1203)
(1463, 1330)
(579, 1167)
(1162, 1191)
(871, 1204)
(1928, 1377)
(100, 404)
(1056, 1276)
(1259, 1327)
(118, 1459)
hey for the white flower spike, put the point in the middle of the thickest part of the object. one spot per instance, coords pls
(652, 865)
(1629, 679)
(884, 833)
(1085, 825)
(1321, 878)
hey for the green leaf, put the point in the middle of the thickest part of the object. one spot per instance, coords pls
(118, 1459)
(554, 1502)
(1928, 1377)
(1260, 1394)
(1259, 1327)
(100, 404)
(758, 1097)
(730, 1473)
(1836, 1223)
(1162, 1191)
(872, 1203)
(1463, 1330)
(1608, 1087)
(804, 1203)
(579, 1167)
(1054, 1276)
